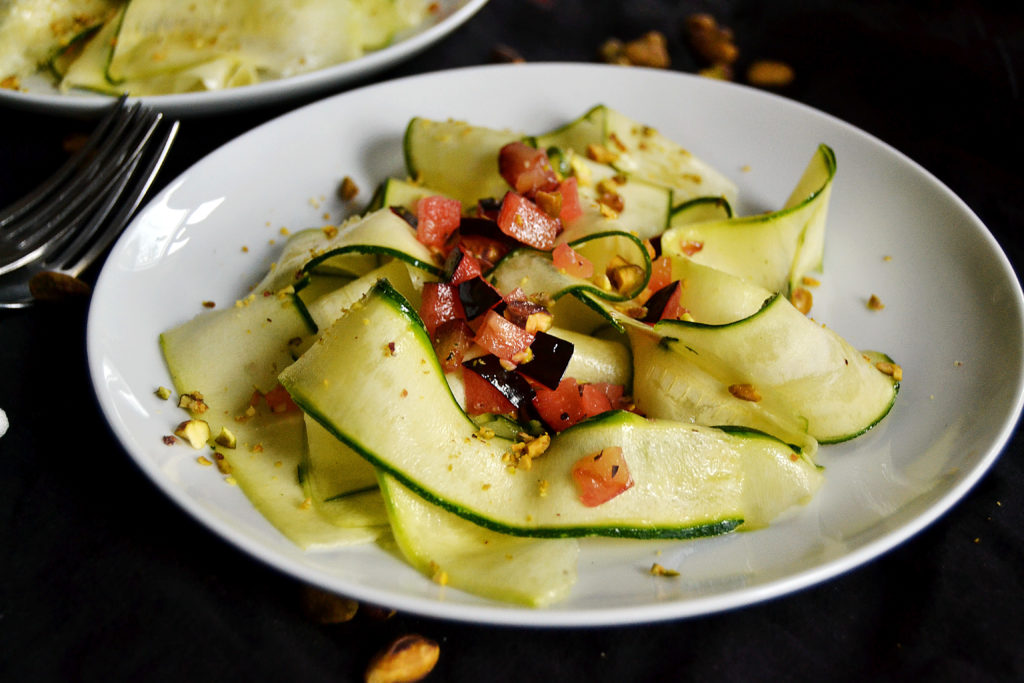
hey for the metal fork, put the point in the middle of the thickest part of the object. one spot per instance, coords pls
(50, 236)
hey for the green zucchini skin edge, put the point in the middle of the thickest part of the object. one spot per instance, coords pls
(393, 298)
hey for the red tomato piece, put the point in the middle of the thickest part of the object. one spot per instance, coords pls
(502, 337)
(451, 340)
(661, 273)
(673, 310)
(691, 247)
(614, 392)
(440, 304)
(486, 250)
(601, 476)
(571, 207)
(571, 261)
(279, 400)
(594, 400)
(437, 218)
(560, 408)
(483, 397)
(523, 220)
(526, 169)
(467, 268)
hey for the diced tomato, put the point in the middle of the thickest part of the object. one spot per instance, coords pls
(486, 250)
(440, 304)
(503, 338)
(673, 310)
(526, 169)
(594, 400)
(483, 397)
(523, 220)
(560, 408)
(601, 476)
(614, 392)
(691, 247)
(661, 273)
(467, 268)
(451, 340)
(279, 400)
(571, 261)
(664, 304)
(571, 207)
(437, 218)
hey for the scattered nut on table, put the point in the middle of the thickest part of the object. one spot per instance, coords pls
(768, 73)
(407, 659)
(324, 607)
(650, 49)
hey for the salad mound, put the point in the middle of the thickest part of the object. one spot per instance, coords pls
(530, 340)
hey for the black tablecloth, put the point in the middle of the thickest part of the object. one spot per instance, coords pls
(103, 578)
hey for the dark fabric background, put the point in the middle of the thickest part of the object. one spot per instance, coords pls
(103, 578)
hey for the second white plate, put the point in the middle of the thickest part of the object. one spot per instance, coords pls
(39, 94)
(952, 318)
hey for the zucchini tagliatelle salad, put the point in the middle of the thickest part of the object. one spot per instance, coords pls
(151, 47)
(532, 339)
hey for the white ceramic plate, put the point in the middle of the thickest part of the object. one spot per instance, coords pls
(39, 94)
(952, 318)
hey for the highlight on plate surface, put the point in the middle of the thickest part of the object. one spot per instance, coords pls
(152, 47)
(532, 339)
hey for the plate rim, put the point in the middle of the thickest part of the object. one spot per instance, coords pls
(557, 616)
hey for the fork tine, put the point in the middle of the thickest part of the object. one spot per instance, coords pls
(79, 253)
(72, 204)
(27, 203)
(65, 198)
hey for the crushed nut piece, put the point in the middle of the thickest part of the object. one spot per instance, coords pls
(600, 154)
(745, 392)
(875, 304)
(348, 189)
(49, 285)
(204, 461)
(650, 50)
(225, 438)
(549, 202)
(377, 612)
(720, 72)
(802, 300)
(222, 464)
(169, 440)
(658, 570)
(409, 658)
(624, 276)
(503, 54)
(766, 73)
(891, 369)
(196, 432)
(438, 575)
(327, 608)
(193, 402)
(712, 43)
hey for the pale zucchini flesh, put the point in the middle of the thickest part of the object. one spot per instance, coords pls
(690, 478)
(466, 556)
